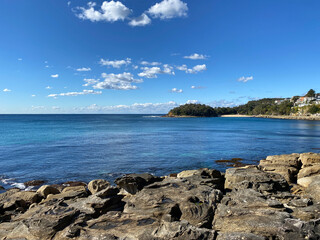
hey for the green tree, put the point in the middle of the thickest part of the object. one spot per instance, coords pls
(313, 109)
(310, 93)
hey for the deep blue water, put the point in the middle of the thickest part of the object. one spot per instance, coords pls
(58, 148)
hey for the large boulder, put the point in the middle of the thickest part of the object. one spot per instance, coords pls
(287, 165)
(133, 183)
(97, 185)
(314, 189)
(45, 190)
(309, 159)
(253, 177)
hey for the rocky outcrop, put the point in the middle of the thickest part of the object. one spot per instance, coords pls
(246, 203)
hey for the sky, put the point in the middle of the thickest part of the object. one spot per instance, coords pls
(148, 56)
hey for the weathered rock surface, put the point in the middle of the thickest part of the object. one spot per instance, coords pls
(287, 165)
(97, 185)
(246, 203)
(133, 183)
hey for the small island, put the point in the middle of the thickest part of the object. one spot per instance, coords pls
(192, 110)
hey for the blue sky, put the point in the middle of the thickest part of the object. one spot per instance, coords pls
(147, 56)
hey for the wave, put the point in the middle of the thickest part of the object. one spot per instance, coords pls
(152, 116)
(12, 183)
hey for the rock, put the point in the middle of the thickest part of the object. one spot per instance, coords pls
(252, 177)
(175, 199)
(42, 222)
(309, 171)
(133, 183)
(34, 183)
(287, 165)
(71, 192)
(204, 176)
(74, 188)
(2, 188)
(309, 159)
(306, 181)
(21, 199)
(239, 236)
(248, 211)
(313, 189)
(97, 185)
(45, 190)
(108, 192)
(299, 230)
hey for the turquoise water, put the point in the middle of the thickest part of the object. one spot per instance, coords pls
(57, 148)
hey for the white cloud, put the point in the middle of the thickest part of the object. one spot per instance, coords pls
(37, 108)
(19, 59)
(6, 90)
(84, 92)
(245, 79)
(192, 101)
(115, 63)
(140, 21)
(69, 3)
(121, 81)
(48, 87)
(90, 81)
(147, 108)
(84, 69)
(195, 69)
(110, 11)
(55, 75)
(175, 90)
(150, 63)
(196, 56)
(169, 9)
(33, 95)
(197, 87)
(154, 71)
(55, 108)
(222, 103)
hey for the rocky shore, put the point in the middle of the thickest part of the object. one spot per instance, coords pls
(278, 199)
(301, 117)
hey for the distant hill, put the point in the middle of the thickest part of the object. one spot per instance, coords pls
(193, 110)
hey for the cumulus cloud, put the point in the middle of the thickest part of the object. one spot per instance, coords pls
(84, 92)
(168, 9)
(115, 63)
(222, 103)
(6, 90)
(90, 81)
(176, 90)
(55, 75)
(83, 69)
(152, 72)
(140, 21)
(150, 63)
(195, 69)
(48, 87)
(110, 12)
(121, 81)
(33, 95)
(245, 79)
(196, 56)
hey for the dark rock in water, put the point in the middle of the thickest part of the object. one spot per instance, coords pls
(2, 188)
(133, 183)
(34, 183)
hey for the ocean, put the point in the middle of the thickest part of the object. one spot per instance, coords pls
(59, 148)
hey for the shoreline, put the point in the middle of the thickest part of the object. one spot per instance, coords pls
(277, 199)
(310, 118)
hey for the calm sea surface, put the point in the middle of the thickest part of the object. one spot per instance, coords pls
(57, 148)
